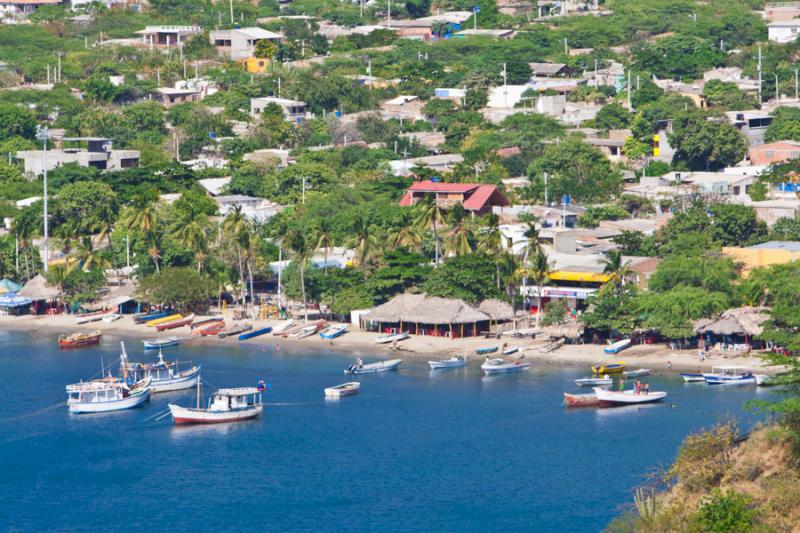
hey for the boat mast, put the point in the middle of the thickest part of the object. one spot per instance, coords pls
(198, 392)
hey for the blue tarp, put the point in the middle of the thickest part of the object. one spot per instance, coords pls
(10, 299)
(6, 285)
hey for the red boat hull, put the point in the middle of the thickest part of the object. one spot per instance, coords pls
(185, 421)
(580, 400)
(88, 341)
(214, 330)
(173, 325)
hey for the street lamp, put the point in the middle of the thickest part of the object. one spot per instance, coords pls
(43, 134)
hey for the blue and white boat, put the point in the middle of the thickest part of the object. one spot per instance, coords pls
(254, 333)
(146, 317)
(164, 376)
(617, 346)
(730, 375)
(157, 344)
(331, 332)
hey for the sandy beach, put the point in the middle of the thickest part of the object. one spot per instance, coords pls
(362, 343)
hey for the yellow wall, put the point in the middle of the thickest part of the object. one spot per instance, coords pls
(756, 257)
(255, 65)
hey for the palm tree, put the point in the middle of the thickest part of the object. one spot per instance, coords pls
(323, 235)
(531, 235)
(90, 257)
(490, 242)
(617, 266)
(192, 232)
(539, 271)
(57, 276)
(142, 217)
(295, 240)
(364, 241)
(26, 229)
(406, 235)
(430, 214)
(234, 226)
(508, 264)
(458, 239)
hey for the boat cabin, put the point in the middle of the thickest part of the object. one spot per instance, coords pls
(94, 394)
(731, 371)
(232, 399)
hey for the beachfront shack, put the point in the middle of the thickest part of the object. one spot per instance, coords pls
(734, 330)
(42, 296)
(12, 304)
(420, 314)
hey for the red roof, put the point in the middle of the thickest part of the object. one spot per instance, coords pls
(435, 186)
(480, 197)
(477, 195)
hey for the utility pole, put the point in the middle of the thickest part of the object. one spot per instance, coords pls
(369, 73)
(505, 85)
(389, 15)
(629, 90)
(43, 134)
(184, 69)
(759, 75)
(128, 250)
(546, 200)
(230, 2)
(304, 189)
(777, 92)
(566, 47)
(795, 85)
(279, 87)
(361, 9)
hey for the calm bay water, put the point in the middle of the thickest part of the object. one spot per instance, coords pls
(450, 451)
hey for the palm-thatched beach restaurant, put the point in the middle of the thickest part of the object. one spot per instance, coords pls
(734, 330)
(420, 314)
(42, 296)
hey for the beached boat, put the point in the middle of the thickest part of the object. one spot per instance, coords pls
(345, 389)
(617, 346)
(730, 375)
(763, 380)
(613, 368)
(526, 332)
(113, 317)
(94, 316)
(164, 376)
(501, 366)
(638, 373)
(511, 351)
(486, 350)
(213, 329)
(391, 337)
(147, 317)
(205, 321)
(101, 397)
(163, 320)
(454, 362)
(153, 344)
(627, 397)
(254, 333)
(226, 405)
(307, 331)
(331, 332)
(283, 326)
(236, 329)
(580, 400)
(198, 330)
(594, 382)
(183, 321)
(690, 377)
(78, 340)
(372, 368)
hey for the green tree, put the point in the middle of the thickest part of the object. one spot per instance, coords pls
(705, 145)
(464, 277)
(99, 88)
(726, 512)
(476, 98)
(727, 95)
(16, 121)
(300, 247)
(183, 289)
(785, 125)
(265, 49)
(612, 117)
(672, 312)
(736, 225)
(612, 308)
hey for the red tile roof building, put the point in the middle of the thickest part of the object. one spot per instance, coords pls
(478, 198)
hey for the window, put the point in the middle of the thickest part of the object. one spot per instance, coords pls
(736, 190)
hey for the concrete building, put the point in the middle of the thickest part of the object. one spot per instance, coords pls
(781, 11)
(240, 43)
(480, 32)
(257, 209)
(98, 153)
(440, 163)
(767, 154)
(764, 254)
(167, 36)
(784, 31)
(403, 107)
(770, 211)
(752, 123)
(170, 96)
(14, 11)
(293, 110)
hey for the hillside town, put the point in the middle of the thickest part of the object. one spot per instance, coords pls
(560, 174)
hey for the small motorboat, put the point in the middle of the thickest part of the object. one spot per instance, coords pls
(638, 373)
(236, 329)
(205, 320)
(254, 333)
(226, 405)
(372, 368)
(594, 382)
(454, 362)
(78, 340)
(154, 344)
(113, 317)
(184, 321)
(391, 337)
(331, 332)
(580, 400)
(511, 351)
(689, 377)
(290, 331)
(627, 397)
(617, 346)
(499, 365)
(163, 320)
(307, 331)
(283, 326)
(488, 349)
(345, 389)
(613, 368)
(95, 316)
(763, 380)
(146, 317)
(730, 375)
(210, 328)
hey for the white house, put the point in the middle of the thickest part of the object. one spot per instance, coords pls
(240, 43)
(784, 32)
(293, 110)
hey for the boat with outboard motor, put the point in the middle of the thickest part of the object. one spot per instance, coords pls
(456, 361)
(627, 397)
(157, 344)
(498, 365)
(580, 400)
(594, 382)
(730, 375)
(371, 368)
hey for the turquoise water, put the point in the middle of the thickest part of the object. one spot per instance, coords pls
(414, 451)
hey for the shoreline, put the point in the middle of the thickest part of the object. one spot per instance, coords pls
(362, 343)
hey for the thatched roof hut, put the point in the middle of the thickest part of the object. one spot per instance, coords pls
(744, 321)
(497, 310)
(568, 330)
(423, 309)
(37, 289)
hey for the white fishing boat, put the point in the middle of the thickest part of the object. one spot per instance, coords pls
(153, 344)
(690, 377)
(391, 337)
(594, 382)
(307, 331)
(226, 405)
(101, 397)
(281, 327)
(526, 332)
(627, 397)
(345, 389)
(111, 318)
(454, 362)
(617, 346)
(511, 351)
(729, 375)
(499, 365)
(164, 376)
(763, 380)
(371, 368)
(331, 332)
(638, 373)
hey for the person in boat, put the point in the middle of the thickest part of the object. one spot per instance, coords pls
(261, 386)
(359, 363)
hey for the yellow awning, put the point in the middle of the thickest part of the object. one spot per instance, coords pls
(585, 277)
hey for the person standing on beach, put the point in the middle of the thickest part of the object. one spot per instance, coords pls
(621, 384)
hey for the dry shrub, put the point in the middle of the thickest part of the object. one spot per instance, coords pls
(704, 458)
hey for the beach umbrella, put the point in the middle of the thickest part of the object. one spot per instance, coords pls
(6, 285)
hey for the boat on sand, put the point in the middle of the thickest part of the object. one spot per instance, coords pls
(236, 329)
(283, 326)
(185, 321)
(627, 397)
(391, 337)
(331, 332)
(345, 389)
(254, 333)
